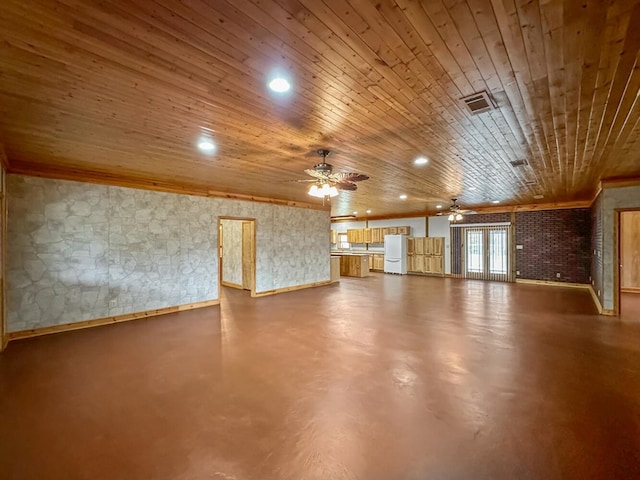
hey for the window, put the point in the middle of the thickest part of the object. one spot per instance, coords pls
(342, 242)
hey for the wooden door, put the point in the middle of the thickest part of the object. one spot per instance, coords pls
(630, 251)
(248, 255)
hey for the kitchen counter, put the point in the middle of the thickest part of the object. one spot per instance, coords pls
(353, 264)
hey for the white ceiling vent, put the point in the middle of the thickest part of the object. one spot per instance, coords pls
(519, 163)
(479, 102)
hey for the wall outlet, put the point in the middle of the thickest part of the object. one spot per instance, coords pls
(598, 293)
(519, 247)
(113, 303)
(517, 272)
(558, 275)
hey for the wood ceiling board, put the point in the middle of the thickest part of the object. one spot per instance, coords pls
(125, 88)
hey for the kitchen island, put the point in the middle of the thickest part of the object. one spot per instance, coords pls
(353, 264)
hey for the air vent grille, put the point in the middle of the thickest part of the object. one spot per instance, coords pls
(478, 102)
(519, 163)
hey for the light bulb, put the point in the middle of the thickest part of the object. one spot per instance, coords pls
(451, 218)
(458, 217)
(333, 192)
(313, 191)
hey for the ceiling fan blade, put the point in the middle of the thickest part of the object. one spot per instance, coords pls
(346, 186)
(308, 180)
(318, 175)
(348, 177)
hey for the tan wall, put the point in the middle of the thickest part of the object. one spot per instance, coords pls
(630, 250)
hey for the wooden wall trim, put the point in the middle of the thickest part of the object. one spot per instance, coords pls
(534, 207)
(596, 300)
(145, 184)
(231, 285)
(552, 284)
(392, 216)
(291, 289)
(4, 160)
(36, 332)
(619, 182)
(4, 339)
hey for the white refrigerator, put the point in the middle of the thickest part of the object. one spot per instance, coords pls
(395, 254)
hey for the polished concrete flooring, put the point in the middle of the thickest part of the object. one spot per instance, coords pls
(384, 378)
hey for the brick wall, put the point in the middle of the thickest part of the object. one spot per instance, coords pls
(554, 241)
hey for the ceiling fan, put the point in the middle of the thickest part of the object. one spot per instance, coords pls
(456, 212)
(326, 183)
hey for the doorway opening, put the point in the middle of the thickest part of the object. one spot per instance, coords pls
(627, 278)
(482, 251)
(237, 253)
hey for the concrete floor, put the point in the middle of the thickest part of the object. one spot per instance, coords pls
(384, 378)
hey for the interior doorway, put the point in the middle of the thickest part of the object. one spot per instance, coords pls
(237, 253)
(628, 272)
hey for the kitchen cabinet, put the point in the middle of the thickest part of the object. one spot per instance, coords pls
(425, 255)
(373, 235)
(354, 265)
(335, 269)
(376, 261)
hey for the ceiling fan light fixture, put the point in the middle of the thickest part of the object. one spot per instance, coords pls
(313, 191)
(458, 217)
(323, 191)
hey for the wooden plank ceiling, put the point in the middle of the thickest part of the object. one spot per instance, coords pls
(127, 88)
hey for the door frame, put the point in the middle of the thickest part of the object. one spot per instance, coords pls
(508, 227)
(617, 250)
(253, 259)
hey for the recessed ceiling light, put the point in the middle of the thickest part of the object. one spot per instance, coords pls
(206, 145)
(403, 197)
(495, 201)
(279, 85)
(355, 213)
(438, 207)
(538, 197)
(421, 161)
(472, 188)
(368, 211)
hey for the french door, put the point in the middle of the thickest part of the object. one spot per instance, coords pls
(484, 252)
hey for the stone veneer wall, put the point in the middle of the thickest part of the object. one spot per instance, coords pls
(612, 198)
(79, 251)
(232, 251)
(597, 268)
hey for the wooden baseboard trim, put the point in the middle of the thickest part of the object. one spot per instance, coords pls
(609, 313)
(36, 332)
(424, 274)
(552, 284)
(630, 290)
(291, 289)
(232, 285)
(596, 300)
